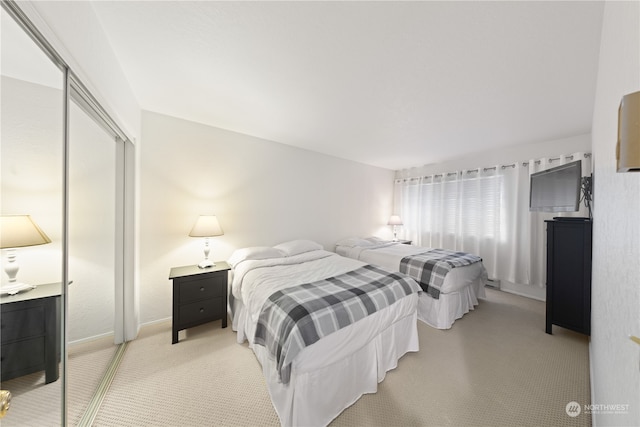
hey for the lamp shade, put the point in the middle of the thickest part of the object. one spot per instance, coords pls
(17, 231)
(395, 220)
(206, 226)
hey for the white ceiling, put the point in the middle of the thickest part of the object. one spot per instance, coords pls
(22, 59)
(391, 84)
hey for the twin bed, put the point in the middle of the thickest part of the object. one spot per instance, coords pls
(448, 293)
(325, 328)
(334, 355)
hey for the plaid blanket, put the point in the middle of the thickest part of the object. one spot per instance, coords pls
(296, 317)
(431, 267)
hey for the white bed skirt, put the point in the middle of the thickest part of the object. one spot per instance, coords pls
(441, 313)
(329, 376)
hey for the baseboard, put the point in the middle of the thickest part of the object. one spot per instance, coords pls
(529, 291)
(155, 322)
(93, 338)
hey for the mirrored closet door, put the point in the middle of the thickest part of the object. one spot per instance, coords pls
(67, 217)
(31, 172)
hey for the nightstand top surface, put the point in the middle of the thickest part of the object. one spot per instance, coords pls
(194, 270)
(41, 291)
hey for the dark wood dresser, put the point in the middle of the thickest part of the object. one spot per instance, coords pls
(569, 275)
(30, 332)
(199, 296)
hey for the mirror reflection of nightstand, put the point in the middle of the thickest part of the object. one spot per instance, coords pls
(31, 332)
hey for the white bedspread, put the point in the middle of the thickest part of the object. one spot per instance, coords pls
(253, 283)
(388, 255)
(333, 373)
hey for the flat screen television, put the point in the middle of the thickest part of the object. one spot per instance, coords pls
(556, 189)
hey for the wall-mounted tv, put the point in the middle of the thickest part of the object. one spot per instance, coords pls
(556, 189)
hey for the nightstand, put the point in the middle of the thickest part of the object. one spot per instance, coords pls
(31, 332)
(199, 296)
(404, 242)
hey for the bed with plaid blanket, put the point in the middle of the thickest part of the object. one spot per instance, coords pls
(430, 268)
(296, 317)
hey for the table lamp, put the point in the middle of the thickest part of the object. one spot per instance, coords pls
(206, 226)
(395, 220)
(17, 231)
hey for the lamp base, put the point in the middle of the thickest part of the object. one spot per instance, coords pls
(206, 264)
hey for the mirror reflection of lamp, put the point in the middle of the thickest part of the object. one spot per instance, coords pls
(206, 226)
(17, 231)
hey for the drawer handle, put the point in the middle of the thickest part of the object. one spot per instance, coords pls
(201, 310)
(202, 289)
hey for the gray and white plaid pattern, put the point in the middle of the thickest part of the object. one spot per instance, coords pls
(296, 317)
(430, 268)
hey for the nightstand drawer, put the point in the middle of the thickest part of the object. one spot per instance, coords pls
(200, 310)
(22, 323)
(22, 357)
(198, 289)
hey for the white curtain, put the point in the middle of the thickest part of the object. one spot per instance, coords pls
(483, 211)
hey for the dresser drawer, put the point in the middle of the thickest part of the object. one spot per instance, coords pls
(201, 310)
(22, 357)
(197, 289)
(22, 323)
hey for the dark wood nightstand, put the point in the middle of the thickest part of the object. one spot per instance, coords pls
(404, 242)
(199, 296)
(31, 332)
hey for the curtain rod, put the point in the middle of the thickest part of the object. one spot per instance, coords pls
(468, 171)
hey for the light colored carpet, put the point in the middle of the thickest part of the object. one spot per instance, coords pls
(495, 367)
(37, 404)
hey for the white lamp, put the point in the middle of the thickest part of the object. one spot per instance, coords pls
(17, 231)
(395, 220)
(206, 226)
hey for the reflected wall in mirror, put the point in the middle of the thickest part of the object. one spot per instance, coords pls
(92, 252)
(31, 172)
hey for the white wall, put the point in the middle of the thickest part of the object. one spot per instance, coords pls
(92, 228)
(263, 193)
(615, 314)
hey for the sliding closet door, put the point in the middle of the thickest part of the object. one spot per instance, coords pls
(66, 163)
(92, 258)
(31, 173)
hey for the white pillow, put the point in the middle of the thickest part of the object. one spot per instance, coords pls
(256, 252)
(353, 242)
(375, 240)
(295, 247)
